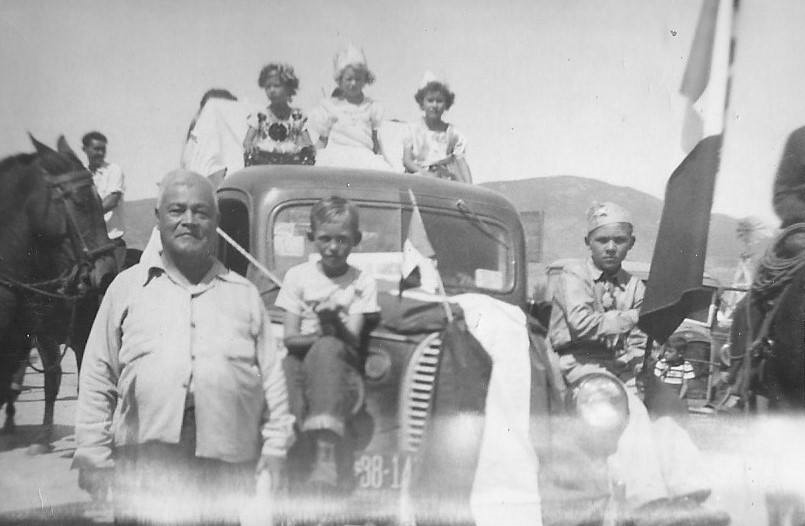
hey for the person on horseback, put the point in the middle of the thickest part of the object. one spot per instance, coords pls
(111, 185)
(767, 356)
(109, 181)
(182, 390)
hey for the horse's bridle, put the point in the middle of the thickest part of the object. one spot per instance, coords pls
(62, 188)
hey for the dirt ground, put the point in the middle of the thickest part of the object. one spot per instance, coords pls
(744, 458)
(40, 485)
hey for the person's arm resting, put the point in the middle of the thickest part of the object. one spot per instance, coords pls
(111, 201)
(294, 341)
(583, 320)
(409, 162)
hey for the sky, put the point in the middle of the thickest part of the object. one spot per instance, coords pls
(543, 87)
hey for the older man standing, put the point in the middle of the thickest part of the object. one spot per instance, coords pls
(181, 390)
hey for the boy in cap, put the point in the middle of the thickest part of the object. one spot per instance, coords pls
(596, 303)
(593, 325)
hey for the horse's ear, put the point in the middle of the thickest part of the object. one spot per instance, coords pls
(50, 160)
(65, 149)
(41, 149)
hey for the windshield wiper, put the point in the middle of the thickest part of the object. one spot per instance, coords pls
(482, 225)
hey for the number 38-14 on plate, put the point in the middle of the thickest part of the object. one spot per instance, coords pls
(382, 471)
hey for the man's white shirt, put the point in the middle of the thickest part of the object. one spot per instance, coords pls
(108, 179)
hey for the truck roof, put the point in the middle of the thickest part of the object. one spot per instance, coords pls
(258, 180)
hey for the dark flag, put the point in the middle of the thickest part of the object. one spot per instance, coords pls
(675, 281)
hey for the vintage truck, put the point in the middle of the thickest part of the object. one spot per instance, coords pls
(479, 243)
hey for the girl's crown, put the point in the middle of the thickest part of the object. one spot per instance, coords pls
(429, 77)
(349, 56)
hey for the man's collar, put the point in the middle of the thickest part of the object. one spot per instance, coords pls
(156, 264)
(621, 277)
(104, 164)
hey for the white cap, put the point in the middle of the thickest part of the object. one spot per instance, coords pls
(606, 213)
(429, 77)
(349, 56)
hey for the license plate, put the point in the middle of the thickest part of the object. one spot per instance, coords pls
(382, 471)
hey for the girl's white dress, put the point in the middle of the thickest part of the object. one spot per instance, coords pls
(348, 128)
(430, 146)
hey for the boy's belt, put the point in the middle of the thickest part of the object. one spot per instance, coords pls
(590, 349)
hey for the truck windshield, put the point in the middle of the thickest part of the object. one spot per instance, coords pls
(470, 254)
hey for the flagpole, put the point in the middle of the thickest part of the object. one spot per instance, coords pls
(439, 283)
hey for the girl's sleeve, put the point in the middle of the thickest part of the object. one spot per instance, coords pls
(322, 119)
(408, 137)
(460, 145)
(376, 115)
(252, 120)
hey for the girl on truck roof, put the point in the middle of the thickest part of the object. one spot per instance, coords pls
(434, 147)
(347, 123)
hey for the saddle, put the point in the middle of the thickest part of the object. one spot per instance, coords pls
(755, 370)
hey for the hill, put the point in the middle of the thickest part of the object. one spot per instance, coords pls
(563, 200)
(140, 221)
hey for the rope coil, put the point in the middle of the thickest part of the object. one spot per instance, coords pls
(776, 269)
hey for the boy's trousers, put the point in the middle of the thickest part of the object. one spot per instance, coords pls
(325, 387)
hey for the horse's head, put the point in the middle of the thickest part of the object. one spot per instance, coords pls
(67, 214)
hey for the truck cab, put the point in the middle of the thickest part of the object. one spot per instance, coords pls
(479, 243)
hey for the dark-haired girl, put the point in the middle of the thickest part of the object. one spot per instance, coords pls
(434, 147)
(279, 132)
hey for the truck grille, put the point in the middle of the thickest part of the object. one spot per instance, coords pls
(417, 388)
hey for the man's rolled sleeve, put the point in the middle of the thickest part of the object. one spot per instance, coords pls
(277, 428)
(116, 182)
(97, 397)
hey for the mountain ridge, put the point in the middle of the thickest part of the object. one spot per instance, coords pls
(562, 201)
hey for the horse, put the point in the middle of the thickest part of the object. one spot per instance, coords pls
(768, 330)
(55, 256)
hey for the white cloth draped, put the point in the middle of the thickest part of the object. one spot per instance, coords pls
(216, 141)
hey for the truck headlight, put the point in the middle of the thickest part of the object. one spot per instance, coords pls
(601, 403)
(377, 365)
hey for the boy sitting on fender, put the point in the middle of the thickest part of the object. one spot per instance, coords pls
(325, 302)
